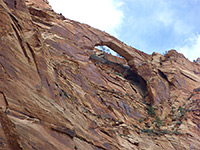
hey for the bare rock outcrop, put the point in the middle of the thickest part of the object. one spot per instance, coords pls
(58, 91)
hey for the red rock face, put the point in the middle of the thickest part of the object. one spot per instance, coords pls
(57, 91)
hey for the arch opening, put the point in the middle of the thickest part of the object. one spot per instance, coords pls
(108, 50)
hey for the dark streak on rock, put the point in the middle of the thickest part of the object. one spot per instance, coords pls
(5, 99)
(21, 43)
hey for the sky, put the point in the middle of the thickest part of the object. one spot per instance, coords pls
(148, 25)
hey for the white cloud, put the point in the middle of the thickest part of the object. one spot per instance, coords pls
(191, 49)
(165, 17)
(102, 14)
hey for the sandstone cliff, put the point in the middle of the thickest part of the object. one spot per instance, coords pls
(59, 92)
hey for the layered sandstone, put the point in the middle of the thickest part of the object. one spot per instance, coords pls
(57, 91)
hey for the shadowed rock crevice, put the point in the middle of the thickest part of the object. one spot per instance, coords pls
(64, 130)
(138, 81)
(4, 101)
(15, 21)
(162, 75)
(39, 13)
(21, 42)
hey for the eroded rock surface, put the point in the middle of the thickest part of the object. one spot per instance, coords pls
(57, 91)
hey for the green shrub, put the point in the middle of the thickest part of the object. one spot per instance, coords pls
(134, 125)
(141, 120)
(176, 132)
(127, 94)
(173, 110)
(151, 111)
(181, 110)
(179, 122)
(158, 122)
(165, 132)
(147, 130)
(119, 74)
